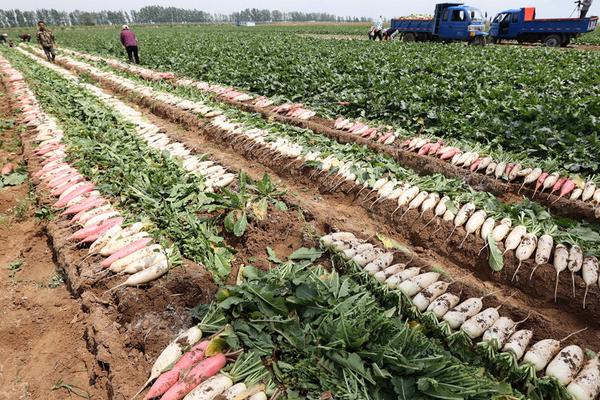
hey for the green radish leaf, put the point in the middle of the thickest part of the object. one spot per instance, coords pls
(240, 226)
(281, 206)
(305, 254)
(14, 179)
(390, 243)
(230, 221)
(272, 256)
(496, 259)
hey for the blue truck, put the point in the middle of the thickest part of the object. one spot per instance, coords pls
(522, 26)
(451, 22)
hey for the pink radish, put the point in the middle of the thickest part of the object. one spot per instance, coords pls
(82, 190)
(434, 148)
(83, 216)
(198, 374)
(92, 230)
(59, 180)
(170, 378)
(450, 153)
(70, 181)
(558, 185)
(475, 164)
(385, 137)
(567, 187)
(125, 251)
(539, 182)
(425, 149)
(7, 169)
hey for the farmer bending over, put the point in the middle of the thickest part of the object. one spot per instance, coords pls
(45, 38)
(129, 41)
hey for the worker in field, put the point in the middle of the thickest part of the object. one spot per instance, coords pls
(3, 38)
(129, 41)
(25, 37)
(378, 32)
(46, 39)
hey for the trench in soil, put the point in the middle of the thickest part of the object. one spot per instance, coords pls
(428, 165)
(312, 194)
(126, 331)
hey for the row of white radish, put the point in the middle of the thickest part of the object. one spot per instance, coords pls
(184, 371)
(128, 249)
(430, 294)
(563, 186)
(216, 176)
(409, 197)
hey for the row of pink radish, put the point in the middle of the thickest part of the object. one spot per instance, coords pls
(364, 130)
(128, 250)
(430, 294)
(183, 370)
(561, 186)
(215, 175)
(525, 245)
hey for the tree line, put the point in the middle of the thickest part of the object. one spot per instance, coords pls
(158, 15)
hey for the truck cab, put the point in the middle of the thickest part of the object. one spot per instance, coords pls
(521, 25)
(458, 22)
(451, 22)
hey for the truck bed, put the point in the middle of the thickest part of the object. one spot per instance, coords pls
(412, 25)
(560, 25)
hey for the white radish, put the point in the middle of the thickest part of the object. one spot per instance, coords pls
(540, 354)
(550, 181)
(459, 314)
(543, 251)
(487, 227)
(145, 276)
(379, 263)
(393, 281)
(416, 202)
(500, 168)
(561, 256)
(366, 257)
(414, 285)
(501, 230)
(514, 238)
(596, 196)
(210, 388)
(232, 392)
(566, 364)
(407, 197)
(475, 326)
(499, 331)
(589, 272)
(525, 250)
(473, 224)
(518, 342)
(514, 172)
(462, 216)
(575, 263)
(586, 385)
(114, 245)
(258, 396)
(448, 216)
(440, 306)
(429, 203)
(424, 298)
(146, 262)
(440, 209)
(105, 238)
(576, 195)
(121, 263)
(588, 191)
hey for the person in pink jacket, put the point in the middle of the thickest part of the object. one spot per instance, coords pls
(129, 41)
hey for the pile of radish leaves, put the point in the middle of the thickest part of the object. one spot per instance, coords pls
(325, 336)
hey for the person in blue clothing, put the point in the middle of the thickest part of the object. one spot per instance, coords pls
(376, 30)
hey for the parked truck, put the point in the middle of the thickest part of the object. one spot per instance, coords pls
(522, 26)
(451, 22)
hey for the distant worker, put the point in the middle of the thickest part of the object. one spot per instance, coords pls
(129, 41)
(378, 33)
(389, 33)
(25, 37)
(46, 39)
(3, 38)
(584, 7)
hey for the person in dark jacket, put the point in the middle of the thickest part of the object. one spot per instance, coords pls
(25, 37)
(46, 39)
(129, 41)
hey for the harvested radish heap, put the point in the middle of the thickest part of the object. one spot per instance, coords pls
(429, 295)
(97, 222)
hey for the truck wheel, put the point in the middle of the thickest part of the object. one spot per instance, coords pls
(552, 41)
(409, 38)
(478, 41)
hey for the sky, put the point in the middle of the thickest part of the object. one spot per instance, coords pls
(389, 9)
